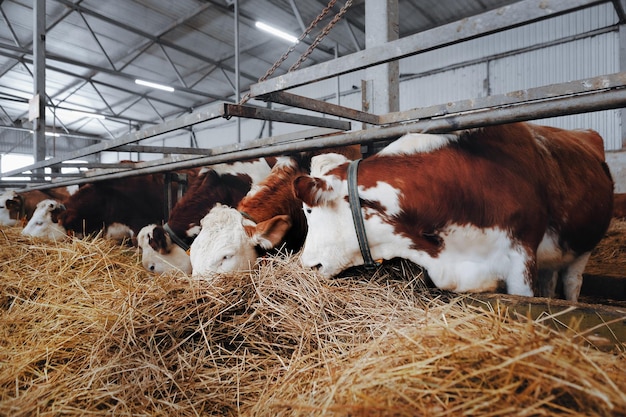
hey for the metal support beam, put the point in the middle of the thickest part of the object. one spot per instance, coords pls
(545, 93)
(39, 90)
(163, 149)
(620, 9)
(237, 67)
(622, 67)
(251, 112)
(382, 27)
(301, 102)
(597, 100)
(484, 24)
(211, 113)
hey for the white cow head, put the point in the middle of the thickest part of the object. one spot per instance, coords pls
(8, 201)
(228, 240)
(44, 222)
(159, 254)
(331, 244)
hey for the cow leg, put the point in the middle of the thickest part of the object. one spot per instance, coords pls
(519, 280)
(572, 277)
(547, 282)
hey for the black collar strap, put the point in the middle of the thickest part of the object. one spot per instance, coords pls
(175, 237)
(247, 216)
(357, 218)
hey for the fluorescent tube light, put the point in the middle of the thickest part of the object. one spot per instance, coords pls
(53, 134)
(155, 85)
(276, 32)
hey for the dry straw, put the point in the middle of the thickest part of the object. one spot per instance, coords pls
(85, 331)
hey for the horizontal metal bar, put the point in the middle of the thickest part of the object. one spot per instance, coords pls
(284, 138)
(531, 94)
(251, 112)
(92, 165)
(516, 14)
(593, 101)
(212, 112)
(301, 102)
(34, 175)
(162, 149)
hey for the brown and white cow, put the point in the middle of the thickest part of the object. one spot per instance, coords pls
(516, 204)
(19, 206)
(164, 247)
(268, 217)
(31, 198)
(160, 261)
(10, 204)
(122, 205)
(44, 221)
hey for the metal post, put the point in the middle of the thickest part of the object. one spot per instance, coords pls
(381, 26)
(622, 67)
(39, 90)
(338, 77)
(237, 86)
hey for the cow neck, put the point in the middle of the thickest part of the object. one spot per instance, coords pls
(180, 242)
(357, 217)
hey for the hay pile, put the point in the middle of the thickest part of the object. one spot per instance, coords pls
(609, 257)
(85, 331)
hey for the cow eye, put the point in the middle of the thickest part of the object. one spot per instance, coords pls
(39, 223)
(308, 210)
(227, 257)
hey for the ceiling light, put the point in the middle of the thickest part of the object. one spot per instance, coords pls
(276, 32)
(155, 85)
(53, 134)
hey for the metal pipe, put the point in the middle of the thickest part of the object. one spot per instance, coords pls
(39, 90)
(237, 69)
(597, 101)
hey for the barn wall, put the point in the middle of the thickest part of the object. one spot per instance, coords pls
(570, 47)
(574, 46)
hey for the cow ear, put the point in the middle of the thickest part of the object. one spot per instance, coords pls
(160, 241)
(13, 204)
(310, 189)
(54, 214)
(270, 233)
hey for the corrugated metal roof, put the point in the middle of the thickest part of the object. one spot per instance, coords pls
(95, 49)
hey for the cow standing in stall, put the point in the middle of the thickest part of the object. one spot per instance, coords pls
(517, 204)
(268, 217)
(164, 248)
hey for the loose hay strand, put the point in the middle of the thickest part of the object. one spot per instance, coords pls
(86, 331)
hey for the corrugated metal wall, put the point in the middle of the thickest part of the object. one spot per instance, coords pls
(570, 47)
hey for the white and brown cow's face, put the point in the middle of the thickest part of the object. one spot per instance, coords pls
(44, 222)
(6, 200)
(159, 254)
(331, 243)
(228, 241)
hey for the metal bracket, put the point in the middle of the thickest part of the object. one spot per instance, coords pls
(251, 112)
(301, 102)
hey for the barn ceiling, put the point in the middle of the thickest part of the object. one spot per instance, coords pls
(96, 49)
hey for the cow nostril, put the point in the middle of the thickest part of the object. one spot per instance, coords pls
(317, 267)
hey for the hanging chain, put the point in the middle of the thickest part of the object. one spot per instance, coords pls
(304, 34)
(321, 36)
